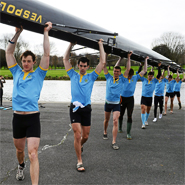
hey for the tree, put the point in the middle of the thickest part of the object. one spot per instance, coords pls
(20, 46)
(175, 42)
(55, 61)
(163, 50)
(2, 58)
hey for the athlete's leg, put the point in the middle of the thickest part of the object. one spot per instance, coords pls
(178, 98)
(147, 112)
(116, 115)
(77, 129)
(20, 145)
(171, 104)
(122, 112)
(130, 109)
(143, 114)
(166, 101)
(85, 134)
(106, 121)
(155, 106)
(161, 104)
(33, 145)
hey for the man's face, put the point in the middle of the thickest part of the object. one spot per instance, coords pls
(27, 63)
(150, 77)
(178, 79)
(169, 79)
(116, 72)
(83, 67)
(130, 76)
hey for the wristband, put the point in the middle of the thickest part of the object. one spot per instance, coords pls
(11, 42)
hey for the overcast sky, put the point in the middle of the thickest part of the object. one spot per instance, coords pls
(141, 21)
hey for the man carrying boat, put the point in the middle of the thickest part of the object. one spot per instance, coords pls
(81, 89)
(26, 92)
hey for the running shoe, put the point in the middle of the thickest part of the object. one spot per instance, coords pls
(115, 146)
(120, 131)
(143, 127)
(20, 174)
(129, 137)
(105, 136)
(146, 123)
(160, 116)
(155, 119)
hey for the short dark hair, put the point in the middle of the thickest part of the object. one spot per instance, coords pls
(28, 52)
(170, 76)
(131, 72)
(83, 60)
(117, 67)
(151, 73)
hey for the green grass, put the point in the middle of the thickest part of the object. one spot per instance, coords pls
(61, 74)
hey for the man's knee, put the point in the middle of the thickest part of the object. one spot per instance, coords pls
(129, 120)
(33, 155)
(19, 150)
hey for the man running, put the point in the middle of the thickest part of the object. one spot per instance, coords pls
(127, 94)
(169, 92)
(26, 92)
(177, 87)
(148, 86)
(159, 96)
(81, 89)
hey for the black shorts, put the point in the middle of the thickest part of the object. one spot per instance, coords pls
(146, 101)
(111, 107)
(82, 115)
(27, 125)
(170, 94)
(177, 93)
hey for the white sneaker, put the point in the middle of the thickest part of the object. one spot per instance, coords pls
(155, 119)
(143, 127)
(20, 174)
(160, 116)
(146, 123)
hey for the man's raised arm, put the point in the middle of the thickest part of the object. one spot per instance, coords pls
(142, 73)
(118, 62)
(44, 63)
(66, 57)
(128, 64)
(10, 59)
(102, 61)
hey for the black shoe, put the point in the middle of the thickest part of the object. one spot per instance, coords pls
(105, 136)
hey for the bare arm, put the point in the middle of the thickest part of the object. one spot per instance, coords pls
(104, 67)
(128, 64)
(66, 57)
(183, 77)
(102, 61)
(10, 59)
(145, 67)
(177, 72)
(168, 70)
(163, 73)
(159, 70)
(44, 63)
(118, 62)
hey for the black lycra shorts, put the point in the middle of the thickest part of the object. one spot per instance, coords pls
(146, 101)
(170, 94)
(111, 107)
(82, 115)
(177, 93)
(27, 125)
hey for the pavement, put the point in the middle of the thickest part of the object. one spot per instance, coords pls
(155, 155)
